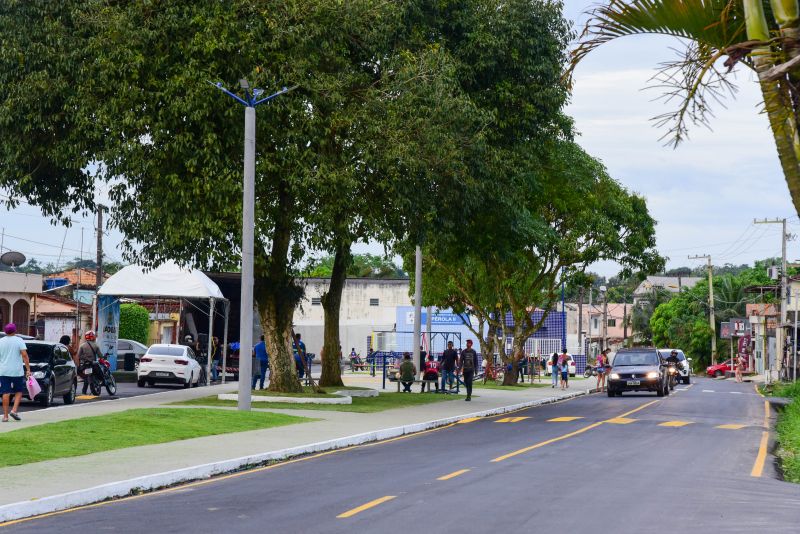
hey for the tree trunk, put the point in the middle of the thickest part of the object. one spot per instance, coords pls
(331, 305)
(517, 349)
(277, 295)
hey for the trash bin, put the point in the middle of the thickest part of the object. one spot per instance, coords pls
(130, 362)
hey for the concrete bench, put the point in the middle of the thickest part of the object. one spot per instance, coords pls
(426, 382)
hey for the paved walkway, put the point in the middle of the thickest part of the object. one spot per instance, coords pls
(34, 481)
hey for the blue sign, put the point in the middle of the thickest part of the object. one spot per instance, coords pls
(108, 327)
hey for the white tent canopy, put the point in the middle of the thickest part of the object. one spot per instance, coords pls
(169, 280)
(165, 281)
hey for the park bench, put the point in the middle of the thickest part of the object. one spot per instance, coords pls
(426, 382)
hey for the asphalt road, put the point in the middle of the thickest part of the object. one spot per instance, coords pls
(630, 464)
(124, 389)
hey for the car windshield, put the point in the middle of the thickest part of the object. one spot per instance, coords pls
(635, 358)
(39, 353)
(165, 351)
(668, 353)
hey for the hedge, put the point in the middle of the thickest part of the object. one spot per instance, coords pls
(134, 322)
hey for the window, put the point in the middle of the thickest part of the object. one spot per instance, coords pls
(594, 323)
(316, 301)
(612, 322)
(123, 346)
(374, 302)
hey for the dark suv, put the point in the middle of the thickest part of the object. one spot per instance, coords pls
(640, 369)
(53, 368)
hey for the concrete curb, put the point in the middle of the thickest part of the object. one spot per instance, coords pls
(123, 488)
(288, 400)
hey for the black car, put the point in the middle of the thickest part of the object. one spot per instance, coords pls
(640, 369)
(53, 368)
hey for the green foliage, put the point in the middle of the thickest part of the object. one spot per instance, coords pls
(134, 322)
(362, 266)
(788, 429)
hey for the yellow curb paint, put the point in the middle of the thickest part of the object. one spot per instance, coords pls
(676, 424)
(620, 421)
(468, 420)
(758, 390)
(731, 427)
(563, 419)
(511, 419)
(367, 506)
(758, 466)
(454, 474)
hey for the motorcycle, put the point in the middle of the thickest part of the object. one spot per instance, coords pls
(99, 375)
(590, 371)
(672, 374)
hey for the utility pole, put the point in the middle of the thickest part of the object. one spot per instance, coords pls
(250, 101)
(99, 279)
(711, 318)
(417, 303)
(625, 324)
(604, 291)
(779, 332)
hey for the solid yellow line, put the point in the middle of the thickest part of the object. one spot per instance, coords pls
(565, 436)
(367, 506)
(454, 474)
(766, 415)
(758, 467)
(731, 427)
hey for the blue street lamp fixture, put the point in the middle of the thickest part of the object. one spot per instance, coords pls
(250, 101)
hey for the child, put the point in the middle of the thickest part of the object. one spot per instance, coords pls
(564, 374)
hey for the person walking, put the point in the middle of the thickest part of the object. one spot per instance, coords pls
(602, 363)
(15, 369)
(216, 361)
(430, 372)
(564, 373)
(554, 369)
(449, 360)
(262, 358)
(299, 349)
(468, 364)
(408, 372)
(88, 353)
(740, 364)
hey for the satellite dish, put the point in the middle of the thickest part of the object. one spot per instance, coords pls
(12, 259)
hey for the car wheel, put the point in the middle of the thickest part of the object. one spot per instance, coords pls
(717, 373)
(140, 382)
(611, 392)
(188, 383)
(47, 394)
(69, 398)
(661, 389)
(687, 381)
(151, 383)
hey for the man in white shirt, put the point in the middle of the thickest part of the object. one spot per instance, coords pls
(13, 353)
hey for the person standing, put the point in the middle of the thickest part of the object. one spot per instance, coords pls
(262, 358)
(216, 361)
(449, 359)
(299, 349)
(468, 364)
(602, 363)
(564, 373)
(740, 364)
(87, 355)
(554, 368)
(15, 368)
(408, 372)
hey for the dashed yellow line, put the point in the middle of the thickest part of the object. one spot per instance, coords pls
(758, 466)
(675, 424)
(468, 420)
(563, 419)
(454, 474)
(511, 419)
(367, 506)
(731, 427)
(620, 421)
(548, 442)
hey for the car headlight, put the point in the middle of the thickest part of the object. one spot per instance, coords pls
(37, 374)
(652, 374)
(672, 370)
(614, 376)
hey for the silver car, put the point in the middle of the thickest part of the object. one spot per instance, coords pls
(684, 364)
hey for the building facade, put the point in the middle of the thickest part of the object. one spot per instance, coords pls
(18, 293)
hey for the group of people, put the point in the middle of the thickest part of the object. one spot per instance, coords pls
(559, 369)
(451, 364)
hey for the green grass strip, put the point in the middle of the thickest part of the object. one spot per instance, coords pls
(131, 428)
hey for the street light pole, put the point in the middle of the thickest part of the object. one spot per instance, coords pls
(250, 101)
(711, 319)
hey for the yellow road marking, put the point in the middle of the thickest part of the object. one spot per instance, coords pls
(676, 424)
(619, 421)
(731, 427)
(367, 506)
(766, 414)
(758, 466)
(454, 474)
(563, 419)
(85, 397)
(468, 420)
(511, 419)
(642, 407)
(548, 442)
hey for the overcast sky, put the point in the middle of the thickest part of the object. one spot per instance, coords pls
(704, 194)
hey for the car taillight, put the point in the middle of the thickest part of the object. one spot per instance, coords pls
(145, 360)
(182, 362)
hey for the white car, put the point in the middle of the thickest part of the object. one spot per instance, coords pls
(570, 364)
(684, 367)
(172, 364)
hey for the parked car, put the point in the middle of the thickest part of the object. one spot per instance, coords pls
(168, 363)
(640, 369)
(684, 364)
(570, 364)
(715, 371)
(53, 368)
(129, 346)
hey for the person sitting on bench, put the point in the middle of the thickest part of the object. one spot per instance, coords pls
(408, 372)
(431, 372)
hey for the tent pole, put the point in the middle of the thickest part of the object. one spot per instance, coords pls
(225, 341)
(210, 335)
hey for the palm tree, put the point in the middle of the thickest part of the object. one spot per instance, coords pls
(739, 31)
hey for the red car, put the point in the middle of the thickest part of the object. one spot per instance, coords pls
(720, 369)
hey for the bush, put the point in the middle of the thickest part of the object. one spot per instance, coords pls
(788, 429)
(134, 322)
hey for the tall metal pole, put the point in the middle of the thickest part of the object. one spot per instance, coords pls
(580, 322)
(99, 272)
(417, 302)
(248, 226)
(711, 317)
(210, 348)
(225, 339)
(779, 332)
(563, 316)
(605, 320)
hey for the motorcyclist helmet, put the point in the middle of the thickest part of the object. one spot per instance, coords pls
(90, 335)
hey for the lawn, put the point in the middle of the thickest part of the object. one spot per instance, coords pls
(308, 391)
(130, 428)
(788, 429)
(385, 401)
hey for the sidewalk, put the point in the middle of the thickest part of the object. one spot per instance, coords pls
(50, 478)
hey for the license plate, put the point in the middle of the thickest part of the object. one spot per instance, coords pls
(87, 371)
(633, 382)
(160, 374)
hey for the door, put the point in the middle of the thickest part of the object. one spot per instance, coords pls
(62, 369)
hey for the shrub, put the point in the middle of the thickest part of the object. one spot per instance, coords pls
(134, 322)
